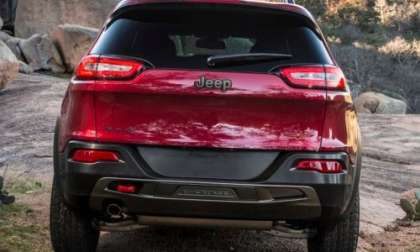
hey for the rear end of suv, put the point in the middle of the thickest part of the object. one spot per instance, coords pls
(211, 114)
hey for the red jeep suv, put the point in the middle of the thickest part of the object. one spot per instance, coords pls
(225, 113)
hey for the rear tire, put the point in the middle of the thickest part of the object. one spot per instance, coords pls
(71, 231)
(339, 236)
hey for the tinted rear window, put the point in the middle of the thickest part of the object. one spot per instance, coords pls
(184, 40)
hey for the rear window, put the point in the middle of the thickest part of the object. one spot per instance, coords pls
(185, 39)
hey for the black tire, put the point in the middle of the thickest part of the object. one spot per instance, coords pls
(70, 230)
(339, 236)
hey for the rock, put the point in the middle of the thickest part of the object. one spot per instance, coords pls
(73, 42)
(6, 54)
(35, 16)
(4, 36)
(410, 203)
(9, 65)
(1, 23)
(377, 103)
(41, 54)
(38, 51)
(13, 44)
(25, 68)
(8, 72)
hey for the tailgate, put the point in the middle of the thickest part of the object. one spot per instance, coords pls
(163, 107)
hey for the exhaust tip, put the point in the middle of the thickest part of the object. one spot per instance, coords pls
(114, 211)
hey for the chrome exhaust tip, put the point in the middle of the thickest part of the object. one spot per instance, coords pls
(114, 211)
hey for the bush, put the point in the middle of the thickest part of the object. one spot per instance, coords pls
(354, 14)
(316, 7)
(401, 15)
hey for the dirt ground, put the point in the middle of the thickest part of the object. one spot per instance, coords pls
(391, 165)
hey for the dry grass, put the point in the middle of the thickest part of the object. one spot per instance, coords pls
(24, 224)
(405, 52)
(19, 232)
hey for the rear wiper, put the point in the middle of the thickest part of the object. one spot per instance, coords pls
(245, 58)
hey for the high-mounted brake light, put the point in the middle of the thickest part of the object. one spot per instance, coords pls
(93, 156)
(319, 165)
(94, 67)
(317, 77)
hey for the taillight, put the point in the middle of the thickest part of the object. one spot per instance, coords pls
(93, 156)
(322, 166)
(94, 67)
(318, 77)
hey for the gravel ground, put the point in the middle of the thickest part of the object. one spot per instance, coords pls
(391, 165)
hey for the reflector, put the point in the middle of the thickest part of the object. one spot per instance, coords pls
(323, 166)
(126, 188)
(93, 156)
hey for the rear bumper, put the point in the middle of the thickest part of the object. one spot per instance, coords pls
(246, 201)
(279, 193)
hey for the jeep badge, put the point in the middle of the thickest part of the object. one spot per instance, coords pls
(213, 84)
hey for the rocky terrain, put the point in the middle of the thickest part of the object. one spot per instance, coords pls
(391, 165)
(33, 16)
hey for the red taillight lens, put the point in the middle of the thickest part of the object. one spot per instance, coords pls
(126, 188)
(94, 67)
(320, 77)
(323, 166)
(93, 156)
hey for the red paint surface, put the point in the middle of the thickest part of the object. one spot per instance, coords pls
(278, 6)
(162, 107)
(341, 128)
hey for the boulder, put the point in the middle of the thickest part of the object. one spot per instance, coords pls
(13, 44)
(410, 203)
(1, 23)
(377, 103)
(25, 68)
(35, 16)
(6, 54)
(35, 53)
(73, 42)
(9, 65)
(40, 53)
(4, 36)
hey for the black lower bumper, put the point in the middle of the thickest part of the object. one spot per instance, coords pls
(209, 199)
(279, 193)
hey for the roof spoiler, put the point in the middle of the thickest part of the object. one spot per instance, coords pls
(279, 1)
